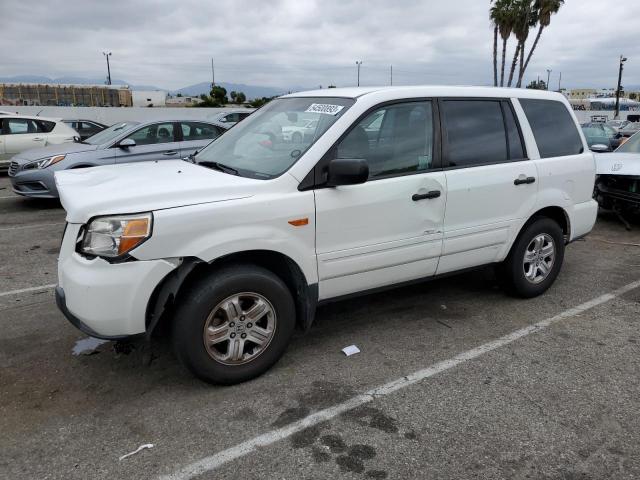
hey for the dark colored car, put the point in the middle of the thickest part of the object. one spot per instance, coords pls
(85, 128)
(597, 139)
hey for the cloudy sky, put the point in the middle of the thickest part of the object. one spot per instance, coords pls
(285, 43)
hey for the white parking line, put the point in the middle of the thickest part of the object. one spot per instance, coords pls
(37, 225)
(218, 459)
(10, 196)
(25, 290)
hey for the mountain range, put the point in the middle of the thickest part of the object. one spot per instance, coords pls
(251, 91)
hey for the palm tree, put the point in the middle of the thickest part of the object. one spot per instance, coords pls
(543, 9)
(495, 46)
(502, 16)
(521, 25)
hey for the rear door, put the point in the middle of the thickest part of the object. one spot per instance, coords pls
(196, 136)
(389, 229)
(491, 184)
(156, 141)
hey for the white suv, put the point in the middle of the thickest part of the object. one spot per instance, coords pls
(398, 184)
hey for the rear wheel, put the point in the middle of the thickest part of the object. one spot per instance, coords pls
(535, 259)
(234, 324)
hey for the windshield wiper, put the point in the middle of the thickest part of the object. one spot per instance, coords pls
(219, 166)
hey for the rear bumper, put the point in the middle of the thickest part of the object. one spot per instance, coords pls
(583, 218)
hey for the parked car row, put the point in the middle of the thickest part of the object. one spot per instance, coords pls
(32, 171)
(19, 133)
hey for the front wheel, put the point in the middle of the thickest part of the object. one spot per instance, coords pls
(535, 259)
(233, 324)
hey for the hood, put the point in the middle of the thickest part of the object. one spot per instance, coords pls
(618, 164)
(144, 187)
(51, 150)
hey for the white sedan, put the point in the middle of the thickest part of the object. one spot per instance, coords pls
(21, 132)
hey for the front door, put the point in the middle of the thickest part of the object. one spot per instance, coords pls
(491, 185)
(153, 142)
(389, 229)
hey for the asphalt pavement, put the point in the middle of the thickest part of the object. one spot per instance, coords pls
(442, 388)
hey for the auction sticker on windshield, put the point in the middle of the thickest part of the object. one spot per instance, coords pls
(324, 108)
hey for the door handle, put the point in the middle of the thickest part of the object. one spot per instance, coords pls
(170, 152)
(38, 139)
(424, 196)
(522, 180)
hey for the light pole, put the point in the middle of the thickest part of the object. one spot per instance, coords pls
(107, 55)
(622, 60)
(560, 82)
(358, 63)
(548, 77)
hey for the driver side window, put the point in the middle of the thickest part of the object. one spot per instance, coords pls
(153, 134)
(395, 140)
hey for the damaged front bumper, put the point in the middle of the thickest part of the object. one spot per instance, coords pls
(618, 192)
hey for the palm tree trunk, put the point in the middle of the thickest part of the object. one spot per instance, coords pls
(504, 54)
(513, 64)
(521, 71)
(495, 56)
(533, 47)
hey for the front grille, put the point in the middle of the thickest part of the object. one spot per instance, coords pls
(13, 168)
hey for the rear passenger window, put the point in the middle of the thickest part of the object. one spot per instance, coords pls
(395, 140)
(553, 128)
(198, 131)
(46, 126)
(475, 132)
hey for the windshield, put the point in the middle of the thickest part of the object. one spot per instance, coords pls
(110, 133)
(630, 146)
(263, 146)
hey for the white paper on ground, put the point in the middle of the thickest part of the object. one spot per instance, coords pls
(140, 448)
(350, 350)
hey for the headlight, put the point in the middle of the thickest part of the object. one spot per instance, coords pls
(45, 162)
(114, 236)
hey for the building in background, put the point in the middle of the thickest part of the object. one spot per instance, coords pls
(189, 101)
(65, 95)
(149, 98)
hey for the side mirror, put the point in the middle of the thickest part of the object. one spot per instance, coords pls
(347, 171)
(599, 148)
(127, 142)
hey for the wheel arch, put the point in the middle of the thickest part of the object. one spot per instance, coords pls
(168, 293)
(556, 213)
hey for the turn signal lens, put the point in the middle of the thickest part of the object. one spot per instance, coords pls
(135, 232)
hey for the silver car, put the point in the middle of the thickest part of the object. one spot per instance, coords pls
(31, 172)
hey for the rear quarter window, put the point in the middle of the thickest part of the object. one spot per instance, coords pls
(46, 126)
(553, 128)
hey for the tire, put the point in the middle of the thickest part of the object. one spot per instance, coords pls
(512, 273)
(222, 303)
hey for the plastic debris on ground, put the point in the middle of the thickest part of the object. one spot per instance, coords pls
(139, 449)
(350, 350)
(87, 346)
